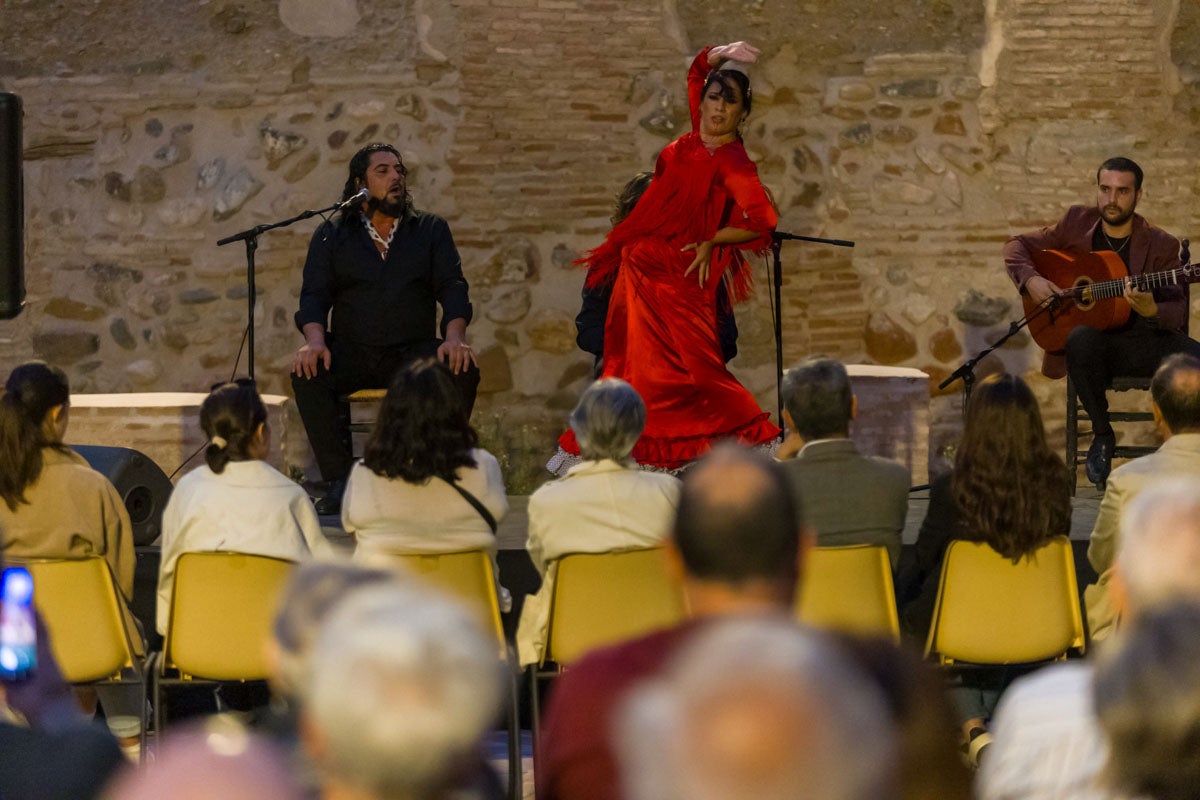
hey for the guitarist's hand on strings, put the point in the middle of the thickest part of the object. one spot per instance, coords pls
(1141, 302)
(1039, 288)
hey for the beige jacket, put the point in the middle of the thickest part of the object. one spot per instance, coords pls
(597, 507)
(1178, 456)
(73, 511)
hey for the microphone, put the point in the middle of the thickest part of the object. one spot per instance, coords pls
(354, 199)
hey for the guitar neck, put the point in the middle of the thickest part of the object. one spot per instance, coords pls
(1184, 274)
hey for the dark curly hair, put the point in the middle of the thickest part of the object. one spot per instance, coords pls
(1010, 489)
(422, 431)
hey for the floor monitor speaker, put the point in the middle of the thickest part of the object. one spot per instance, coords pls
(141, 483)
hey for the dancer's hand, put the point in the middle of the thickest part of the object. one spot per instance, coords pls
(736, 51)
(702, 263)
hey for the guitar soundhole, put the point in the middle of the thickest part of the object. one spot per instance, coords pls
(1084, 300)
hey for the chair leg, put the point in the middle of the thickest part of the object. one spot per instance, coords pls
(515, 789)
(535, 722)
(1072, 433)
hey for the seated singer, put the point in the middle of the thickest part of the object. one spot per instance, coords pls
(376, 272)
(1156, 328)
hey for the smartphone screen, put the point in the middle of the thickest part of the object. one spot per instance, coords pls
(18, 635)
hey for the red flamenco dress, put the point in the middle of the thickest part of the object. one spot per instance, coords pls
(661, 331)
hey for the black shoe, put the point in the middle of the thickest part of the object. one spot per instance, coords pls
(1099, 459)
(331, 504)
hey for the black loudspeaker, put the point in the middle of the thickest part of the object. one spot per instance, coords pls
(12, 209)
(140, 482)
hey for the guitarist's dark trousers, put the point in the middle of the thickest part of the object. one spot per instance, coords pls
(1095, 357)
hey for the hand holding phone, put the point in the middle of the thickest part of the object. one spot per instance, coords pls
(18, 631)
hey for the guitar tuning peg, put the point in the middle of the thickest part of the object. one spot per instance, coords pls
(1185, 257)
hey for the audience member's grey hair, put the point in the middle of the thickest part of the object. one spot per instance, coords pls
(1147, 696)
(312, 592)
(608, 420)
(816, 393)
(403, 686)
(1158, 556)
(757, 709)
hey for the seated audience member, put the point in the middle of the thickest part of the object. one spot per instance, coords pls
(57, 506)
(59, 754)
(1175, 400)
(848, 498)
(1008, 490)
(236, 500)
(737, 547)
(605, 503)
(757, 710)
(1145, 694)
(424, 484)
(218, 758)
(426, 688)
(1048, 743)
(930, 762)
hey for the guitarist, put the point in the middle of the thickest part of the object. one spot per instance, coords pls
(1158, 326)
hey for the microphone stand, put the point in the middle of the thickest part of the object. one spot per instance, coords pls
(967, 370)
(250, 237)
(777, 240)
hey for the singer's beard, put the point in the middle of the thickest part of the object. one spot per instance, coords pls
(389, 207)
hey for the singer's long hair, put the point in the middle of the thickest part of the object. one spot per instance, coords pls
(357, 179)
(1010, 489)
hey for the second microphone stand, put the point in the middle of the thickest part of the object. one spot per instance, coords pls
(777, 240)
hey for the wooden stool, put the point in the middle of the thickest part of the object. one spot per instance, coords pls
(359, 411)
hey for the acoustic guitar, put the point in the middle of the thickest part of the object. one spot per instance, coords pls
(1086, 279)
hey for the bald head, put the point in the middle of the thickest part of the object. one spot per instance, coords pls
(1175, 390)
(738, 519)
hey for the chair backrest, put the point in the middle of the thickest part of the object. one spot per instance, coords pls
(222, 607)
(85, 616)
(603, 598)
(466, 575)
(992, 611)
(849, 589)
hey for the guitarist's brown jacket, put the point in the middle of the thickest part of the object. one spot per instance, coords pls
(1151, 249)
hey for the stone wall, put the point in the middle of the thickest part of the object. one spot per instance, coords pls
(925, 132)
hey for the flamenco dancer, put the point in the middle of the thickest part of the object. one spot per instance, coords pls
(665, 262)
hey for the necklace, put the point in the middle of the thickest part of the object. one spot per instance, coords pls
(379, 240)
(1113, 247)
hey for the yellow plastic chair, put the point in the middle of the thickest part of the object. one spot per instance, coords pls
(849, 589)
(84, 614)
(601, 599)
(219, 622)
(992, 611)
(468, 576)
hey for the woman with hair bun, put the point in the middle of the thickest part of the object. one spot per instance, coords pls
(236, 501)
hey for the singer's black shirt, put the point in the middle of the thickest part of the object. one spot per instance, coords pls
(377, 301)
